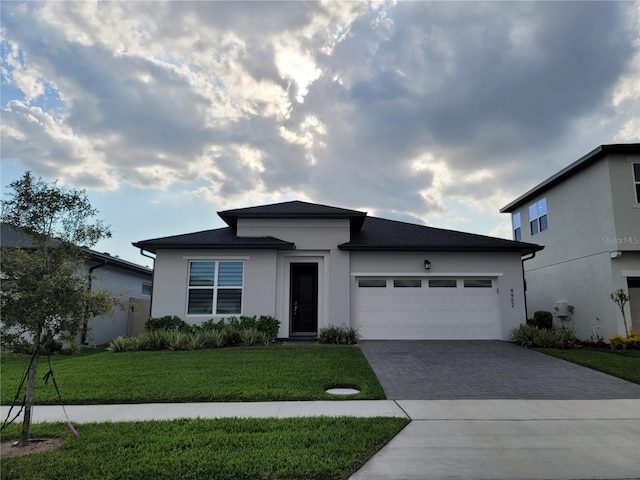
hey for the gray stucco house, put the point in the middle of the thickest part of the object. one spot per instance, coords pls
(587, 216)
(313, 265)
(130, 282)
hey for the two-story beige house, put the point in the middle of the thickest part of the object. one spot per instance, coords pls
(587, 216)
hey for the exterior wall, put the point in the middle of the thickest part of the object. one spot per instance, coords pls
(505, 267)
(172, 272)
(591, 215)
(125, 285)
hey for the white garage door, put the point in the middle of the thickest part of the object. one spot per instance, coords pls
(429, 309)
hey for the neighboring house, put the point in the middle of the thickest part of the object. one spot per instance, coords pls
(587, 216)
(313, 265)
(129, 282)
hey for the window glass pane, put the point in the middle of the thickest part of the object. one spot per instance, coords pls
(201, 274)
(200, 301)
(448, 283)
(477, 283)
(533, 212)
(542, 207)
(636, 172)
(229, 301)
(517, 234)
(543, 223)
(516, 220)
(414, 283)
(638, 193)
(146, 289)
(230, 274)
(534, 227)
(372, 283)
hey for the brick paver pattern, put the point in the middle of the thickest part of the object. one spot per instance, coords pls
(484, 369)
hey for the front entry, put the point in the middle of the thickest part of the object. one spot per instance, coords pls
(304, 298)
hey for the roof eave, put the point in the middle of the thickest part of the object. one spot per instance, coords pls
(524, 249)
(217, 246)
(580, 164)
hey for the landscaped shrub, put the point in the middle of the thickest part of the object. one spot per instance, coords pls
(338, 335)
(530, 336)
(168, 322)
(124, 344)
(541, 319)
(632, 342)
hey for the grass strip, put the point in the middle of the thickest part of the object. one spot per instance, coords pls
(284, 372)
(221, 449)
(623, 364)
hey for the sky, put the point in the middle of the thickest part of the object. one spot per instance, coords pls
(436, 113)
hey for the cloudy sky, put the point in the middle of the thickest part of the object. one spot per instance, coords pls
(430, 112)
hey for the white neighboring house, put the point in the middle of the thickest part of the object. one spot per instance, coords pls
(313, 265)
(130, 282)
(587, 216)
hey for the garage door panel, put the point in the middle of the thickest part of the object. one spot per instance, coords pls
(427, 313)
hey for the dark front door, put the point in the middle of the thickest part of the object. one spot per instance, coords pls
(304, 298)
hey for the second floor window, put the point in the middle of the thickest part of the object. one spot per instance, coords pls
(636, 180)
(538, 216)
(517, 227)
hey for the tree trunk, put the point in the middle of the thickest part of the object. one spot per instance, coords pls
(31, 384)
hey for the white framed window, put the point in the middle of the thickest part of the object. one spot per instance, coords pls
(215, 286)
(442, 283)
(538, 216)
(517, 227)
(636, 180)
(407, 283)
(478, 283)
(372, 283)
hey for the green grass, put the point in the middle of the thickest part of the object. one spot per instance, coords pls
(297, 448)
(623, 364)
(295, 372)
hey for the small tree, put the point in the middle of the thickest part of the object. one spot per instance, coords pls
(620, 298)
(45, 293)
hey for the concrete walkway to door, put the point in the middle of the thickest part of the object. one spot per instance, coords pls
(493, 410)
(484, 369)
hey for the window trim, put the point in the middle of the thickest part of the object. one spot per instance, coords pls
(215, 287)
(636, 180)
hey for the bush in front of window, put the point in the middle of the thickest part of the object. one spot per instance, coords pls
(168, 322)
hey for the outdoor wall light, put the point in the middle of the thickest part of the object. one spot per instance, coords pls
(427, 265)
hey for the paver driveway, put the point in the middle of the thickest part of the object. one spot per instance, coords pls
(484, 369)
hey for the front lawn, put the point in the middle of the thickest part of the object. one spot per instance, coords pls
(623, 364)
(221, 449)
(284, 372)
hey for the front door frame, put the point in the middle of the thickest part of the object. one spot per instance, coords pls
(299, 271)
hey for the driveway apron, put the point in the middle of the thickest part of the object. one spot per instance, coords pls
(484, 369)
(492, 410)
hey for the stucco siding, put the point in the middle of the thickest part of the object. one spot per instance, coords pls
(171, 279)
(626, 210)
(124, 285)
(306, 234)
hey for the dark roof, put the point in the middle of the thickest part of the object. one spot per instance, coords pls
(379, 234)
(15, 237)
(224, 238)
(294, 210)
(590, 158)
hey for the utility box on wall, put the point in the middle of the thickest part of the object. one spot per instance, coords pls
(562, 309)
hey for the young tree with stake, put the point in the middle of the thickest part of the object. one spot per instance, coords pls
(44, 292)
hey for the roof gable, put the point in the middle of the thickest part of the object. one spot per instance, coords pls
(294, 210)
(580, 164)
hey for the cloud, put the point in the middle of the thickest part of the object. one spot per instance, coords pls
(437, 111)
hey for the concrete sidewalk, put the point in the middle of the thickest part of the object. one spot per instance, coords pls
(454, 439)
